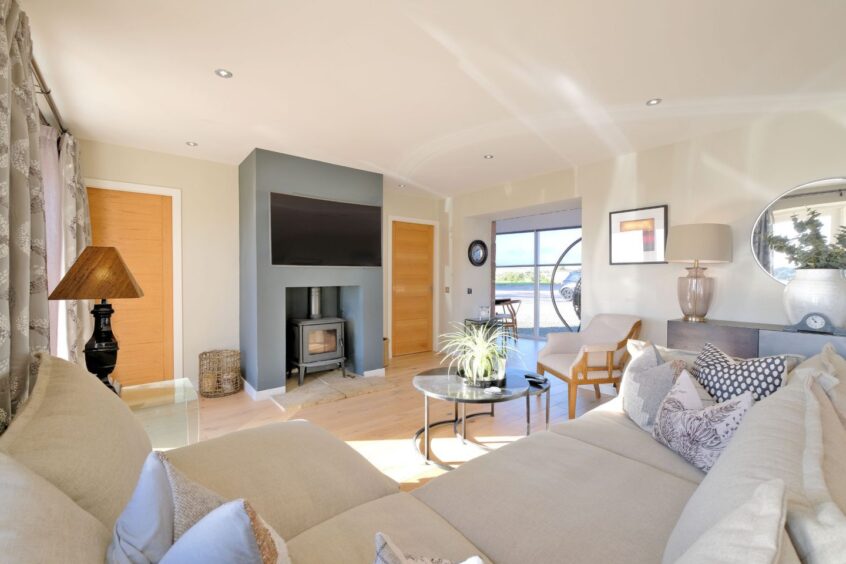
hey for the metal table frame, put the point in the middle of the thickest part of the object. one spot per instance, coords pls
(462, 417)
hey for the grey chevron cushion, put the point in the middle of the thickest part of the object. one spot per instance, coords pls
(646, 382)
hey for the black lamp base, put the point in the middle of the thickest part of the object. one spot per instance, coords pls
(102, 348)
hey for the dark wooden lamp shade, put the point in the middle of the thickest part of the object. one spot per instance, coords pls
(99, 273)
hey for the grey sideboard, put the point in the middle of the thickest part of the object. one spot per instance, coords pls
(747, 340)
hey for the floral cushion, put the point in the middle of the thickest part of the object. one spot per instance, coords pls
(389, 553)
(697, 433)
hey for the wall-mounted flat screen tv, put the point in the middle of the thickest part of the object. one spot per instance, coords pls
(312, 232)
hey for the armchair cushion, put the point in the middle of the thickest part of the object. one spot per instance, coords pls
(602, 335)
(563, 364)
(561, 343)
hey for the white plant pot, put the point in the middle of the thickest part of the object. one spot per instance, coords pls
(820, 290)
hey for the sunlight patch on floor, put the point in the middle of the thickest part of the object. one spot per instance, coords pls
(398, 459)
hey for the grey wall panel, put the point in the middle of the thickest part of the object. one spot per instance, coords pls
(275, 172)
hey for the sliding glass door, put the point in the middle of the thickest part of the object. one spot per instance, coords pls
(524, 264)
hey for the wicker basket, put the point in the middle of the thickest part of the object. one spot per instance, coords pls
(220, 373)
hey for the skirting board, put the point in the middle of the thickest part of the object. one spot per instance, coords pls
(259, 395)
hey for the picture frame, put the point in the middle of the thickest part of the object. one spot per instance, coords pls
(638, 236)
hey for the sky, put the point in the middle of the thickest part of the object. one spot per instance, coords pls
(519, 248)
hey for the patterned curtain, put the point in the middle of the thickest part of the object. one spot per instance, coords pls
(75, 323)
(23, 271)
(49, 155)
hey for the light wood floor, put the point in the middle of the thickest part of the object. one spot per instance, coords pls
(380, 425)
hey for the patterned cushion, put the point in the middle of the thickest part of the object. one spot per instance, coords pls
(699, 434)
(231, 533)
(164, 505)
(389, 553)
(646, 383)
(725, 378)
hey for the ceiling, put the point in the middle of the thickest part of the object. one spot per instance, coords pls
(421, 90)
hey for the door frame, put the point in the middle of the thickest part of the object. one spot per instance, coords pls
(435, 278)
(175, 195)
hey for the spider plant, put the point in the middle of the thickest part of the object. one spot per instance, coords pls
(477, 351)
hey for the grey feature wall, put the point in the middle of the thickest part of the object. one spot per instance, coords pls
(264, 288)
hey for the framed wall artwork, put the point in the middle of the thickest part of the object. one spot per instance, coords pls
(638, 236)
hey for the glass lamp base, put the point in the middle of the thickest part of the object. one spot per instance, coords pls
(695, 291)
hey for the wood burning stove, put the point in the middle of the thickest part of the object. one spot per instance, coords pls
(316, 344)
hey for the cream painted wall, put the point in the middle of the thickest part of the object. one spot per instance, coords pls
(727, 177)
(209, 237)
(402, 203)
(469, 216)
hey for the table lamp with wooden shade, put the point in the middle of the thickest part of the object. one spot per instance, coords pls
(99, 274)
(698, 243)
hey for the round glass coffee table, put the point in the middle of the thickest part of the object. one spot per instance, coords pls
(446, 385)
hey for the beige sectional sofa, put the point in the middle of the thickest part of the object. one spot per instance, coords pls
(597, 489)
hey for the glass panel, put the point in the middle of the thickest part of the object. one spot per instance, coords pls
(553, 243)
(567, 290)
(323, 341)
(518, 285)
(515, 249)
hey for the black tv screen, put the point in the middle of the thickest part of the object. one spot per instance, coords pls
(307, 231)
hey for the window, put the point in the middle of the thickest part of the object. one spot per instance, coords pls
(524, 264)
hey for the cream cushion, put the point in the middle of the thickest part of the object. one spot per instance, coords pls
(751, 534)
(563, 349)
(608, 427)
(412, 525)
(767, 446)
(831, 363)
(81, 437)
(818, 526)
(551, 498)
(563, 363)
(294, 474)
(40, 524)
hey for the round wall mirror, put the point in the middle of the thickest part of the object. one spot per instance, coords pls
(827, 196)
(477, 252)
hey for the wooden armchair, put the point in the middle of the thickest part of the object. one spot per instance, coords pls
(595, 356)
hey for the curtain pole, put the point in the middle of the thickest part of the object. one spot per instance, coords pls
(46, 92)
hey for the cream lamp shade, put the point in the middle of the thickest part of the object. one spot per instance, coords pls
(699, 242)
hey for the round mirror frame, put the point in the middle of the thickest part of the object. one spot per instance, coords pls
(831, 179)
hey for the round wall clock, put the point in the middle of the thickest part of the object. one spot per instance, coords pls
(477, 252)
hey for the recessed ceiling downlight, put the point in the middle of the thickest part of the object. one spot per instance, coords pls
(654, 101)
(487, 156)
(223, 73)
(400, 185)
(191, 143)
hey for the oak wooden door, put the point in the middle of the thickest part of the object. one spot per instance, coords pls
(412, 291)
(140, 226)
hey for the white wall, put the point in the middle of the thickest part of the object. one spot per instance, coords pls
(209, 237)
(727, 177)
